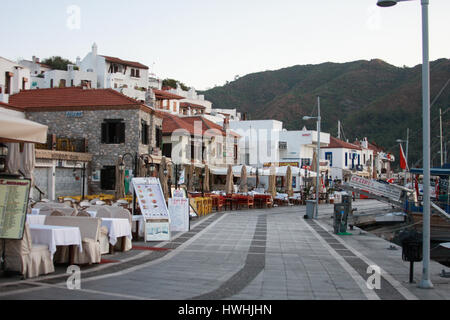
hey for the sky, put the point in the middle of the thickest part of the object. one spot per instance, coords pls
(204, 43)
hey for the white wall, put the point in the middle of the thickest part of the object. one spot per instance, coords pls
(19, 73)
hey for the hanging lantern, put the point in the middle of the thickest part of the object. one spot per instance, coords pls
(3, 155)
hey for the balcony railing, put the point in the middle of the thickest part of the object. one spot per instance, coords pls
(57, 143)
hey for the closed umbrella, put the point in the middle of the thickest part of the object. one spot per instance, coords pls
(28, 161)
(206, 180)
(163, 178)
(120, 178)
(314, 166)
(272, 182)
(243, 185)
(13, 158)
(289, 190)
(140, 168)
(190, 177)
(229, 183)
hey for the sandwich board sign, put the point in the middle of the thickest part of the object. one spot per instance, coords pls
(179, 214)
(153, 207)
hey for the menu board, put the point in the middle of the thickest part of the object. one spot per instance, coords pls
(150, 198)
(179, 214)
(13, 207)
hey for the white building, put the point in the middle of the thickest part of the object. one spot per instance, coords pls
(193, 103)
(264, 143)
(346, 158)
(128, 77)
(13, 78)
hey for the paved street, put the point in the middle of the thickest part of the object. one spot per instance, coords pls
(249, 254)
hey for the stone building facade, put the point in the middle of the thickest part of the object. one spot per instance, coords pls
(85, 118)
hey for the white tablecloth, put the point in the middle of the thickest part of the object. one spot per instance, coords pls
(117, 228)
(55, 236)
(139, 218)
(35, 219)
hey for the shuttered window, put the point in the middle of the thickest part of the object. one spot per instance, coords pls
(113, 131)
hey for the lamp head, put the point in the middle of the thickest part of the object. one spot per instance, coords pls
(399, 140)
(386, 3)
(307, 118)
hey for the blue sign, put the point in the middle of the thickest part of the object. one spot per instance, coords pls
(74, 114)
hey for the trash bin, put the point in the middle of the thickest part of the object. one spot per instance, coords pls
(310, 209)
(340, 218)
(347, 201)
(411, 250)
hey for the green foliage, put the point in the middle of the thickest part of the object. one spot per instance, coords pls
(58, 63)
(173, 84)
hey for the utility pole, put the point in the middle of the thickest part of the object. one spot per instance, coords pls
(318, 157)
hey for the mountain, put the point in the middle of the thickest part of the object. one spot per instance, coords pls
(372, 99)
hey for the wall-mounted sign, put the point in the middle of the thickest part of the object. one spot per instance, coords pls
(74, 114)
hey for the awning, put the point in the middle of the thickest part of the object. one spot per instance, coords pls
(13, 129)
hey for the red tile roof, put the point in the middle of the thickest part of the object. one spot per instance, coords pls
(172, 122)
(209, 125)
(192, 105)
(125, 62)
(8, 106)
(336, 144)
(69, 97)
(162, 94)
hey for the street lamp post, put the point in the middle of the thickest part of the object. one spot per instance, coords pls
(318, 154)
(425, 282)
(406, 155)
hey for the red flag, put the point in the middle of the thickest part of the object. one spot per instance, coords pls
(403, 163)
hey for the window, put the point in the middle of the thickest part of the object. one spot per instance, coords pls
(113, 131)
(158, 137)
(51, 83)
(329, 156)
(71, 83)
(144, 132)
(108, 178)
(174, 106)
(346, 159)
(7, 82)
(167, 150)
(235, 152)
(62, 83)
(132, 72)
(136, 73)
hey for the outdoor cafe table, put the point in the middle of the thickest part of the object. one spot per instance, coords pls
(262, 199)
(36, 218)
(54, 236)
(117, 228)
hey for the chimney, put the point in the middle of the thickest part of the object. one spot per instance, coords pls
(226, 123)
(78, 61)
(94, 49)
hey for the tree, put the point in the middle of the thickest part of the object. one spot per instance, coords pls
(173, 84)
(57, 63)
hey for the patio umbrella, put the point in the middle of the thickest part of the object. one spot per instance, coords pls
(272, 182)
(314, 167)
(13, 158)
(120, 179)
(190, 177)
(28, 161)
(140, 168)
(206, 180)
(163, 178)
(229, 183)
(243, 185)
(289, 190)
